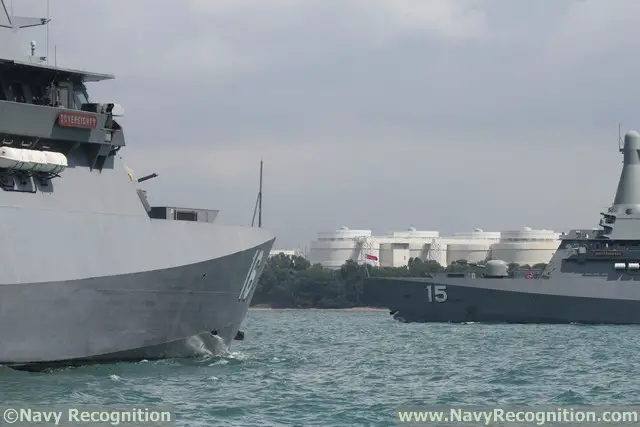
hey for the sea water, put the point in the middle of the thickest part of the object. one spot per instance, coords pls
(332, 368)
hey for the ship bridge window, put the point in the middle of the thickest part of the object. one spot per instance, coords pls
(80, 97)
(17, 92)
(37, 94)
(62, 97)
(186, 216)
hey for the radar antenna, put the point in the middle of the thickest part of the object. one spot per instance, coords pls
(14, 23)
(9, 20)
(628, 192)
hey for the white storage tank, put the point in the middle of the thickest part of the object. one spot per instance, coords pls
(478, 234)
(526, 246)
(386, 254)
(473, 246)
(419, 241)
(471, 252)
(332, 249)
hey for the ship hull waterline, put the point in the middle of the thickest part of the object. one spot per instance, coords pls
(180, 312)
(413, 302)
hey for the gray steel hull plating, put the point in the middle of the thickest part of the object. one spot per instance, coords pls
(504, 301)
(145, 315)
(86, 275)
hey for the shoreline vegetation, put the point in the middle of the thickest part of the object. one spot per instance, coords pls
(291, 282)
(339, 310)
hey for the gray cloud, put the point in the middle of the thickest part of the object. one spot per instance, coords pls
(372, 114)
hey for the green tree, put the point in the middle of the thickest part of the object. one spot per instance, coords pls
(291, 282)
(419, 268)
(458, 266)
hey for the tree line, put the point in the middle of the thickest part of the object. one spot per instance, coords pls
(292, 282)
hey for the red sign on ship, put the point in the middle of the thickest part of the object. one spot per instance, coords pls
(77, 120)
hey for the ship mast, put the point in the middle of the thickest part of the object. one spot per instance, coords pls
(628, 193)
(260, 198)
(12, 22)
(49, 20)
(258, 207)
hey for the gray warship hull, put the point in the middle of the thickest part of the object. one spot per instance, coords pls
(89, 271)
(88, 276)
(539, 301)
(592, 278)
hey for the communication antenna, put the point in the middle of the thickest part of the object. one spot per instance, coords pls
(258, 207)
(260, 198)
(620, 141)
(48, 25)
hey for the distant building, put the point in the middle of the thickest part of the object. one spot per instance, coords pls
(287, 252)
(527, 246)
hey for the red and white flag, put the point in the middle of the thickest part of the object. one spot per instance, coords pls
(371, 260)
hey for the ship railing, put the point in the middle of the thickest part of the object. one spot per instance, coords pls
(582, 234)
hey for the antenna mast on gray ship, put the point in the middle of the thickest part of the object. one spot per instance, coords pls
(620, 141)
(258, 207)
(47, 29)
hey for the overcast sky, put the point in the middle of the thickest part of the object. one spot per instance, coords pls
(438, 114)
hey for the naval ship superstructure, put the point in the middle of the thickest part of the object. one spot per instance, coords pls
(591, 278)
(90, 272)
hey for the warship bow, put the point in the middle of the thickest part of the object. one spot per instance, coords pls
(91, 272)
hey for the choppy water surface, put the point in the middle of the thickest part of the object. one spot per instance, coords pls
(327, 368)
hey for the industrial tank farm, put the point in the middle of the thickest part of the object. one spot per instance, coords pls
(526, 246)
(472, 247)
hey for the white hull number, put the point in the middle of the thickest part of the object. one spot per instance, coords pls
(437, 293)
(250, 281)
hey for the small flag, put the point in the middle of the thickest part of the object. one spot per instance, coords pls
(372, 260)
